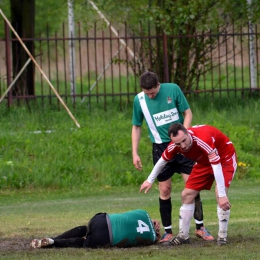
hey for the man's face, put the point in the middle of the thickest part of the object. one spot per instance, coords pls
(151, 93)
(182, 140)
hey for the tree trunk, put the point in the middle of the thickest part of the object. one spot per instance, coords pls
(23, 20)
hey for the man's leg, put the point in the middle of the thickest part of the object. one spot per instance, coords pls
(186, 214)
(223, 219)
(80, 231)
(165, 206)
(71, 238)
(200, 231)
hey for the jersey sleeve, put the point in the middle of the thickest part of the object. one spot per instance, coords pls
(137, 117)
(170, 151)
(214, 157)
(206, 141)
(181, 101)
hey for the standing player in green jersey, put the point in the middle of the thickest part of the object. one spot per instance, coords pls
(162, 105)
(128, 229)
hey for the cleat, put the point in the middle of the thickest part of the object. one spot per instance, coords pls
(177, 241)
(204, 234)
(221, 241)
(166, 239)
(38, 243)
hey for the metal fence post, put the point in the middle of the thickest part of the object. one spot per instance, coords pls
(165, 59)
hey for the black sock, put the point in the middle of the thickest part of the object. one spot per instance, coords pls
(198, 212)
(166, 213)
(77, 242)
(80, 231)
(198, 226)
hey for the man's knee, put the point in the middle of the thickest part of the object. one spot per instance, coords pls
(165, 189)
(188, 196)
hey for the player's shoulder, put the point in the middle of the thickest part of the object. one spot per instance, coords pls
(170, 85)
(197, 129)
(139, 97)
(202, 132)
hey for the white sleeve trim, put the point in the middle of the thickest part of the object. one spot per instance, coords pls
(219, 177)
(156, 170)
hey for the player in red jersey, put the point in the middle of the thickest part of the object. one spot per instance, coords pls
(215, 159)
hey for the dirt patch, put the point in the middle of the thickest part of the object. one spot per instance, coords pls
(14, 244)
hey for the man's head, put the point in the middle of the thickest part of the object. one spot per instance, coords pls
(180, 136)
(150, 84)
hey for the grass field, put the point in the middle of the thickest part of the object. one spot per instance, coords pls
(43, 148)
(34, 214)
(54, 176)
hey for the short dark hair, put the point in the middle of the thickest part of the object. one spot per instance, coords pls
(148, 80)
(175, 128)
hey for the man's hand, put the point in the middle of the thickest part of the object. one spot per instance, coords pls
(146, 185)
(156, 224)
(137, 162)
(224, 203)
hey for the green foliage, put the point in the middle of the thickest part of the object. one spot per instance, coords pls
(238, 119)
(44, 148)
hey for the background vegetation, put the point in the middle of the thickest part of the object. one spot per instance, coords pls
(45, 149)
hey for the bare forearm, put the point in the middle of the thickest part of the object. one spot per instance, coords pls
(187, 118)
(136, 135)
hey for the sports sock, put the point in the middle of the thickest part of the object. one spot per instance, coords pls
(223, 218)
(198, 212)
(69, 242)
(166, 214)
(80, 231)
(186, 213)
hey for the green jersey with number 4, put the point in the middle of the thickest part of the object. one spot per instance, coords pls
(133, 228)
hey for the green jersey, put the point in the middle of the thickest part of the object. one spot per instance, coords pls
(133, 228)
(162, 111)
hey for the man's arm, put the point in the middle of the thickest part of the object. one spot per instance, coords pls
(187, 118)
(218, 174)
(136, 135)
(151, 178)
(221, 189)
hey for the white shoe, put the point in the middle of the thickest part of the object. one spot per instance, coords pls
(221, 241)
(38, 243)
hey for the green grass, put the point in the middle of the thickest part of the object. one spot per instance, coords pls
(33, 214)
(99, 152)
(52, 181)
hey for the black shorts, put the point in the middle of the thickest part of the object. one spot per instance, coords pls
(98, 234)
(179, 163)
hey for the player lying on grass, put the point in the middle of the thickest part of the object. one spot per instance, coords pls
(128, 229)
(215, 159)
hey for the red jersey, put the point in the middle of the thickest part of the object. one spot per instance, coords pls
(208, 146)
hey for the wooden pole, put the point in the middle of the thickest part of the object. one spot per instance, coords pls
(37, 65)
(17, 76)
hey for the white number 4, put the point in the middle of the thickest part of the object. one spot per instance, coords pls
(142, 227)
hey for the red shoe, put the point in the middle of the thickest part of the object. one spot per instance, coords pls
(166, 239)
(204, 234)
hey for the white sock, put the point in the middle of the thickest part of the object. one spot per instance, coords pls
(223, 218)
(186, 214)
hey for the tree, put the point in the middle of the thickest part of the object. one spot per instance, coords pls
(23, 21)
(181, 21)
